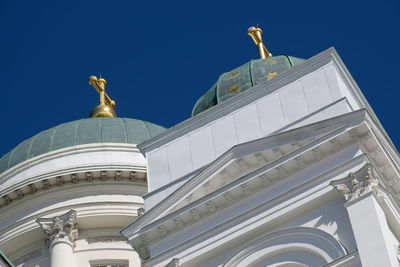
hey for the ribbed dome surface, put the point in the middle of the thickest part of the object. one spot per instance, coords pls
(244, 77)
(85, 131)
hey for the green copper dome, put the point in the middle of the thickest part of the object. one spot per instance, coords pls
(85, 131)
(246, 76)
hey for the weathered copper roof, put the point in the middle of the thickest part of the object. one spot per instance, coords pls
(244, 77)
(85, 131)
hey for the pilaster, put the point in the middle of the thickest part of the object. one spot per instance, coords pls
(371, 231)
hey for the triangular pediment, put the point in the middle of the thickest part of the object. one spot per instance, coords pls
(274, 152)
(250, 157)
(264, 163)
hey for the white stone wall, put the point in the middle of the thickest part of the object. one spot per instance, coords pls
(319, 95)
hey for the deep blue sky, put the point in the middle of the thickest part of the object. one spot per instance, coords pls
(159, 57)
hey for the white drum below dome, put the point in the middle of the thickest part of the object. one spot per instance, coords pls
(102, 183)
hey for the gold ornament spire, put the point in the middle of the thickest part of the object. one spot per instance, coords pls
(105, 109)
(255, 34)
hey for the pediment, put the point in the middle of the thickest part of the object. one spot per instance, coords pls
(260, 164)
(278, 155)
(289, 150)
(273, 158)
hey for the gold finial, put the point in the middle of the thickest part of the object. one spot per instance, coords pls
(255, 34)
(105, 109)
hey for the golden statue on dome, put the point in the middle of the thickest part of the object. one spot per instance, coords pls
(106, 107)
(255, 34)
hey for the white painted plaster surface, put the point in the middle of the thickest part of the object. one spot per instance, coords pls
(202, 147)
(247, 124)
(224, 135)
(372, 233)
(293, 102)
(159, 169)
(332, 80)
(270, 113)
(179, 158)
(319, 95)
(316, 90)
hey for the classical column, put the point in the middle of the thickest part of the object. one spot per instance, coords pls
(61, 231)
(368, 221)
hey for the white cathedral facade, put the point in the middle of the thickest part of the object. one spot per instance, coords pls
(284, 164)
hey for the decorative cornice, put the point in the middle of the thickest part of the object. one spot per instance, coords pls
(106, 239)
(64, 179)
(26, 257)
(61, 228)
(358, 184)
(78, 149)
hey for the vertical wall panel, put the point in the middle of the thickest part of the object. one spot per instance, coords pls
(347, 93)
(158, 170)
(293, 101)
(179, 158)
(270, 114)
(330, 73)
(316, 90)
(202, 147)
(247, 124)
(224, 134)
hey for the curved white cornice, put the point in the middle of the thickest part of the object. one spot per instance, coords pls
(82, 163)
(297, 239)
(65, 152)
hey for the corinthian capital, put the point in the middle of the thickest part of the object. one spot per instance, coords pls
(61, 228)
(357, 184)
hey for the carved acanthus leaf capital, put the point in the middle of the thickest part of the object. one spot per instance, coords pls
(60, 228)
(357, 184)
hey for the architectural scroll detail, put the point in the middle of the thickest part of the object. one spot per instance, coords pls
(357, 184)
(60, 228)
